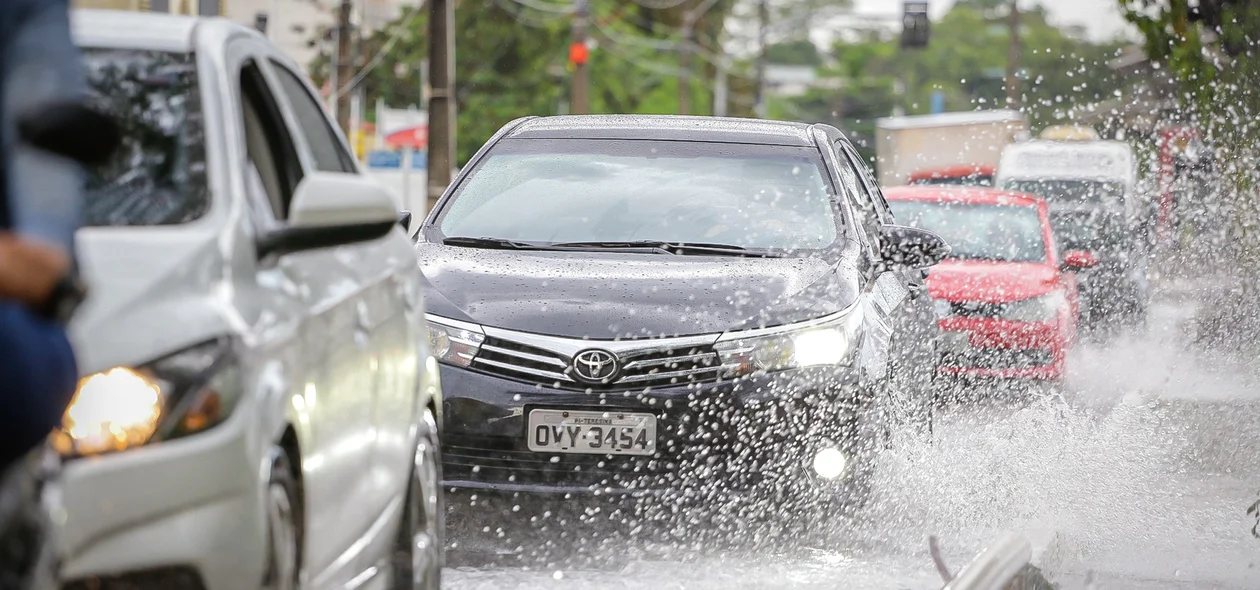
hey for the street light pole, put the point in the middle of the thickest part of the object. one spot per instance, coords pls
(344, 67)
(1012, 59)
(441, 154)
(684, 63)
(579, 94)
(763, 18)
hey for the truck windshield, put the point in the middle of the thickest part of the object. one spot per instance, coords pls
(1068, 191)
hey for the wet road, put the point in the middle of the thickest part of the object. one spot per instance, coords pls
(1138, 477)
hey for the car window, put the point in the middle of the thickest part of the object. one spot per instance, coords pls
(979, 232)
(330, 154)
(863, 204)
(754, 196)
(158, 176)
(878, 203)
(268, 144)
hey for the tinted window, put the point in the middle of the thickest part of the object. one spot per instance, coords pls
(158, 176)
(979, 232)
(1068, 191)
(329, 154)
(604, 190)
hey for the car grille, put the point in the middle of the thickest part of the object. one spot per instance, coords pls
(999, 358)
(976, 309)
(650, 367)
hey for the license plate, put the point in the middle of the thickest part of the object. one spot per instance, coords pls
(955, 341)
(597, 433)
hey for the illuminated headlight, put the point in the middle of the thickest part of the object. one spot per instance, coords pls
(178, 395)
(453, 344)
(827, 341)
(1035, 309)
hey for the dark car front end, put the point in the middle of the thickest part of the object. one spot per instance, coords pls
(647, 333)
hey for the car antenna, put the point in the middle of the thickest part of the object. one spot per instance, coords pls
(934, 547)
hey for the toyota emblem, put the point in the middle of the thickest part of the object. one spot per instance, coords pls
(595, 366)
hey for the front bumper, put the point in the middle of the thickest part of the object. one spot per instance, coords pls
(1004, 349)
(726, 436)
(182, 514)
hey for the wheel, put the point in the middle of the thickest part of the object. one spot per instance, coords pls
(283, 533)
(418, 553)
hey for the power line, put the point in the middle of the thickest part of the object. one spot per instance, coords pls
(380, 55)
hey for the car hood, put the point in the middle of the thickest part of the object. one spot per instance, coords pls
(608, 295)
(152, 291)
(990, 282)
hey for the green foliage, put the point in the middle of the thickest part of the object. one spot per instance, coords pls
(966, 61)
(511, 62)
(797, 53)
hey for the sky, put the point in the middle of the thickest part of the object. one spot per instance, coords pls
(1101, 18)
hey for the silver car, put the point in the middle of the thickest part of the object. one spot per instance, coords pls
(258, 407)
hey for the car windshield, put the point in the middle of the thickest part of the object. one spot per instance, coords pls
(563, 191)
(158, 176)
(979, 232)
(1068, 191)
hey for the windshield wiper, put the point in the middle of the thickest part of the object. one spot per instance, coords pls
(672, 247)
(506, 244)
(500, 243)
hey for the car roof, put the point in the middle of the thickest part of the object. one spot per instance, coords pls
(954, 171)
(665, 128)
(144, 30)
(966, 195)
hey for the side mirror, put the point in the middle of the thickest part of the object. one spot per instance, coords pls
(332, 209)
(1075, 260)
(912, 247)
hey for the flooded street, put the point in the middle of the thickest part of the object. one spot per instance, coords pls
(1138, 477)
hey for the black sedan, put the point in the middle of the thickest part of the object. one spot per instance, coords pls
(655, 304)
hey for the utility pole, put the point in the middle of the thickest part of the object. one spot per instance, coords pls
(720, 89)
(344, 66)
(763, 22)
(441, 97)
(684, 63)
(578, 94)
(1012, 60)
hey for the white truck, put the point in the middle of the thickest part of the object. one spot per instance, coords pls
(922, 145)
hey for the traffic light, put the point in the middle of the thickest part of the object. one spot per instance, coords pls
(915, 25)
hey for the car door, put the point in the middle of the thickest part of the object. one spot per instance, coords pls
(911, 347)
(879, 292)
(386, 273)
(333, 379)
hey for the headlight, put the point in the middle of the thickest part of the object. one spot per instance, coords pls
(181, 394)
(1035, 309)
(453, 343)
(827, 341)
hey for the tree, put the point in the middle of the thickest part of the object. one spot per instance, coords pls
(510, 61)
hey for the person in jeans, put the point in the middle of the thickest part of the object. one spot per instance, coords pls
(47, 132)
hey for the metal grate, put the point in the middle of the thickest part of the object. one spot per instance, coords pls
(649, 367)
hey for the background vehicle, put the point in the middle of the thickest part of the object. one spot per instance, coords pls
(255, 408)
(682, 289)
(962, 174)
(1089, 187)
(1006, 298)
(905, 145)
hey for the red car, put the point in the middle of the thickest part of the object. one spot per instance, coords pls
(1006, 298)
(962, 174)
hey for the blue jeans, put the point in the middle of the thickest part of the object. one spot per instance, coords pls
(39, 64)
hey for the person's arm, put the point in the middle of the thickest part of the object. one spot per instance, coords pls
(38, 376)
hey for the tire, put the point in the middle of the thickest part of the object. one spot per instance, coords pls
(421, 539)
(284, 534)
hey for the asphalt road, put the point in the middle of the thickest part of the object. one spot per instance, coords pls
(1139, 476)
